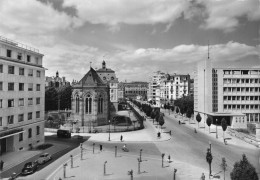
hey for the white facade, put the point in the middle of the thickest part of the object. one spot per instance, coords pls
(22, 95)
(229, 91)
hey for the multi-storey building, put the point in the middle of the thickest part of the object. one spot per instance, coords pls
(232, 93)
(154, 92)
(108, 76)
(134, 89)
(22, 95)
(56, 81)
(174, 86)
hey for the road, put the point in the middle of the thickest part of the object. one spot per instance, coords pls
(190, 147)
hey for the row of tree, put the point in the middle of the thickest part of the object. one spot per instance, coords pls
(58, 98)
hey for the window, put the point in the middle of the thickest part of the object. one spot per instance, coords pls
(1, 123)
(1, 68)
(88, 106)
(30, 116)
(1, 86)
(28, 58)
(20, 118)
(19, 56)
(36, 60)
(10, 69)
(38, 87)
(37, 130)
(1, 103)
(8, 53)
(30, 72)
(10, 86)
(30, 87)
(10, 102)
(77, 104)
(10, 119)
(30, 101)
(38, 73)
(29, 133)
(100, 104)
(38, 100)
(21, 71)
(21, 137)
(21, 86)
(21, 102)
(37, 114)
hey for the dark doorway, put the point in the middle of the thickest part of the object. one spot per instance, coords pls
(3, 146)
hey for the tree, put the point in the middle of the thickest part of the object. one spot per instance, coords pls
(198, 118)
(209, 122)
(65, 97)
(189, 113)
(223, 166)
(172, 108)
(153, 115)
(224, 126)
(177, 110)
(243, 170)
(157, 115)
(51, 99)
(161, 120)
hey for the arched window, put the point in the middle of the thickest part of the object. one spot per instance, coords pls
(100, 104)
(77, 104)
(88, 107)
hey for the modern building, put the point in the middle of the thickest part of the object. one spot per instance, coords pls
(90, 100)
(230, 93)
(136, 89)
(56, 81)
(174, 87)
(154, 91)
(108, 76)
(22, 95)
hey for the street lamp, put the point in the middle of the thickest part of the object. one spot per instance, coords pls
(109, 130)
(209, 158)
(216, 129)
(141, 154)
(105, 167)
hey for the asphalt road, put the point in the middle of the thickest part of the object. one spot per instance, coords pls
(190, 147)
(71, 143)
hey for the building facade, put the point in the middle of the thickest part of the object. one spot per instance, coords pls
(56, 81)
(22, 96)
(233, 93)
(136, 89)
(90, 100)
(108, 76)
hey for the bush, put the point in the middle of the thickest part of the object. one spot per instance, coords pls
(43, 146)
(243, 131)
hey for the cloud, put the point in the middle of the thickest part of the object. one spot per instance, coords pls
(224, 15)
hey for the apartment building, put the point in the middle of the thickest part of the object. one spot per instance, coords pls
(174, 86)
(134, 89)
(230, 93)
(22, 94)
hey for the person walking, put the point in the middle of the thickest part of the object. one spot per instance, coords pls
(169, 158)
(121, 138)
(100, 147)
(1, 165)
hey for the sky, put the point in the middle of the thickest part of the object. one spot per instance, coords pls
(135, 37)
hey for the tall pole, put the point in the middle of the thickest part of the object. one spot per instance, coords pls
(105, 167)
(109, 130)
(141, 154)
(216, 128)
(210, 161)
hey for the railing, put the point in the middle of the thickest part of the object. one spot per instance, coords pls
(14, 43)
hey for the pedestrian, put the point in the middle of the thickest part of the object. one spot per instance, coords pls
(121, 138)
(169, 158)
(1, 165)
(202, 176)
(100, 147)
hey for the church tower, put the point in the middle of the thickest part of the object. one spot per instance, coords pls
(57, 74)
(103, 65)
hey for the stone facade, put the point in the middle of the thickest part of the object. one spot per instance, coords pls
(90, 99)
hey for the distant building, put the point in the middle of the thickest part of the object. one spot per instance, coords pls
(108, 76)
(121, 91)
(136, 89)
(90, 101)
(22, 96)
(56, 81)
(230, 93)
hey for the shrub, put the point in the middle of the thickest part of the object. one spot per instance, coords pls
(43, 146)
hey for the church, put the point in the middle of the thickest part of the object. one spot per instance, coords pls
(90, 100)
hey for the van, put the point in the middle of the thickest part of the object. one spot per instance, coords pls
(63, 133)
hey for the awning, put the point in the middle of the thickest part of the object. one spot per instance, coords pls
(12, 132)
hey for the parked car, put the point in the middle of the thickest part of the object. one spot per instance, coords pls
(29, 168)
(45, 157)
(64, 133)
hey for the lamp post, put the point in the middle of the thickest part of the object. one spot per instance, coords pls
(71, 161)
(162, 158)
(141, 154)
(115, 151)
(93, 147)
(209, 158)
(174, 173)
(64, 170)
(109, 130)
(216, 128)
(105, 167)
(139, 162)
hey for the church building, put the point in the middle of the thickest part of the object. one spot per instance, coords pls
(90, 99)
